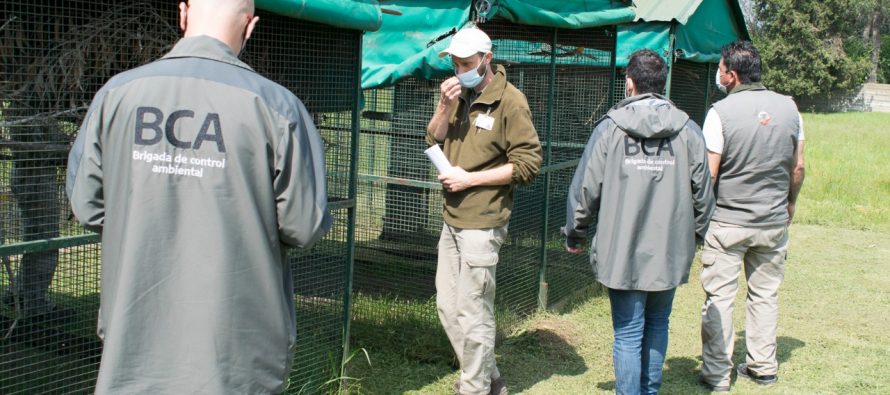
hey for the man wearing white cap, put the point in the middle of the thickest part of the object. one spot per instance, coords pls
(485, 126)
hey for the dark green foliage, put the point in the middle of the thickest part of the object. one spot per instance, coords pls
(811, 48)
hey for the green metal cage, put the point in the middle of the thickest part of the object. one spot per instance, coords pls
(55, 56)
(374, 272)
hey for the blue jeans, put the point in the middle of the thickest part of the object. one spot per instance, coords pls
(640, 320)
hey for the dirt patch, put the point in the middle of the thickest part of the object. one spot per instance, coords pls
(552, 332)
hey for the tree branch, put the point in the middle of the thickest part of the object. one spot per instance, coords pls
(8, 21)
(45, 115)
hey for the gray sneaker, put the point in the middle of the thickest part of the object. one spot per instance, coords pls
(766, 379)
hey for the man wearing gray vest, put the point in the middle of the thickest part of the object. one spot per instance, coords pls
(755, 149)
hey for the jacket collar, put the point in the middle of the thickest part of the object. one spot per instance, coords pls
(205, 47)
(495, 89)
(754, 86)
(637, 98)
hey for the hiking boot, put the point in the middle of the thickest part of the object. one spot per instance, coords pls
(767, 379)
(712, 387)
(52, 313)
(8, 299)
(498, 387)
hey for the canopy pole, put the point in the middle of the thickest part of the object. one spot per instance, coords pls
(670, 59)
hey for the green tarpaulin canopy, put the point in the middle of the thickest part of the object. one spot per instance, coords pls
(409, 44)
(566, 14)
(347, 14)
(701, 29)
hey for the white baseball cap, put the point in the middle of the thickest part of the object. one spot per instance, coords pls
(467, 42)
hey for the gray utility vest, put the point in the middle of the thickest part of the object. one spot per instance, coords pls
(760, 130)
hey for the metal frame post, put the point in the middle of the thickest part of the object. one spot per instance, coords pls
(670, 59)
(350, 230)
(543, 290)
(613, 61)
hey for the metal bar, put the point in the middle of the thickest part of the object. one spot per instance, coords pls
(399, 181)
(34, 147)
(341, 204)
(560, 166)
(612, 63)
(548, 155)
(708, 80)
(92, 238)
(557, 144)
(350, 230)
(48, 244)
(433, 184)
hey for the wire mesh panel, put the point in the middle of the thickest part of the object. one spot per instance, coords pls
(582, 96)
(320, 64)
(693, 89)
(54, 56)
(714, 94)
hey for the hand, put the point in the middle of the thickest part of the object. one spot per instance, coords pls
(791, 210)
(574, 246)
(456, 180)
(450, 90)
(575, 250)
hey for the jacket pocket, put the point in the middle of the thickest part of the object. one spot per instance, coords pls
(481, 259)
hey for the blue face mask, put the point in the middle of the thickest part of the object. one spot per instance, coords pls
(471, 78)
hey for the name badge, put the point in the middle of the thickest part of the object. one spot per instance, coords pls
(485, 121)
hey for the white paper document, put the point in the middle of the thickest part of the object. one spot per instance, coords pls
(438, 158)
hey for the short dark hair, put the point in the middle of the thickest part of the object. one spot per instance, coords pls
(647, 70)
(741, 56)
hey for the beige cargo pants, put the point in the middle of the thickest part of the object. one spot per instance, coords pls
(761, 251)
(465, 286)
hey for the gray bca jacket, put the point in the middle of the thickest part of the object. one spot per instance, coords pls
(198, 172)
(643, 189)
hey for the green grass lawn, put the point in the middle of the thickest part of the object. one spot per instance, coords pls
(834, 304)
(848, 171)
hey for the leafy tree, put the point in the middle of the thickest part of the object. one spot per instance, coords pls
(810, 48)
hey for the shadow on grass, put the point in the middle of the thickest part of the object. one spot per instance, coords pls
(537, 354)
(406, 353)
(681, 373)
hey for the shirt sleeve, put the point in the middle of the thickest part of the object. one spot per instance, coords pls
(523, 147)
(585, 192)
(430, 140)
(800, 135)
(703, 201)
(712, 129)
(299, 183)
(84, 182)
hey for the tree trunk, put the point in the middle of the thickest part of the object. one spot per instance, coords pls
(872, 34)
